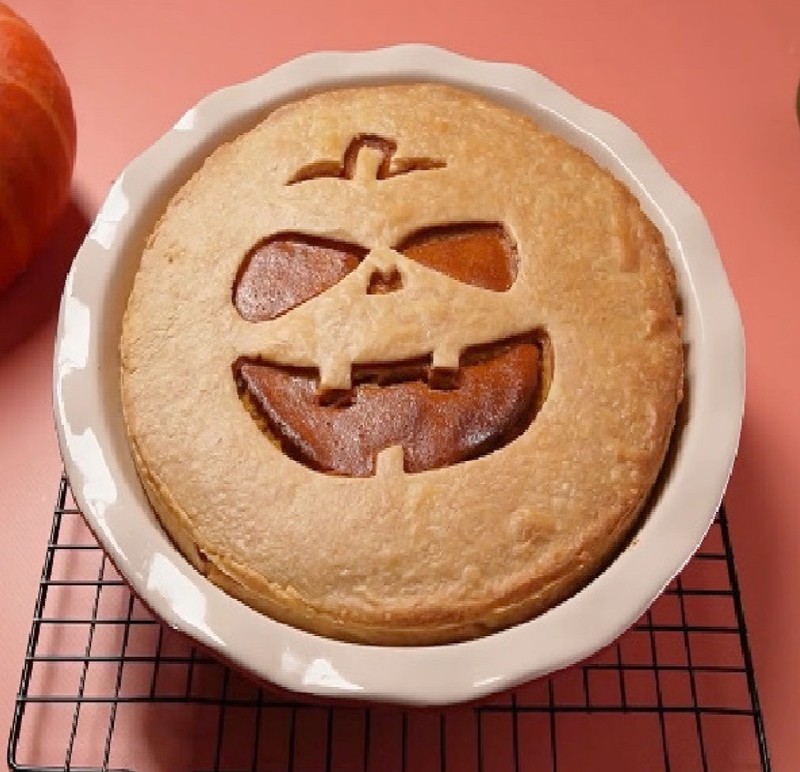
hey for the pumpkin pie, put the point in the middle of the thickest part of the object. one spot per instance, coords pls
(400, 367)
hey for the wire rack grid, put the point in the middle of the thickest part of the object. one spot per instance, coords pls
(106, 687)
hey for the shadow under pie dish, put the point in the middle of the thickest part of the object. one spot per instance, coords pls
(400, 367)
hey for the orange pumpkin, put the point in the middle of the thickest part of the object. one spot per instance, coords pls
(37, 143)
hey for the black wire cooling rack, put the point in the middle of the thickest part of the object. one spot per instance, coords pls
(106, 687)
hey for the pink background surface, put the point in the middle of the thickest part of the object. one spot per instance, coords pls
(709, 86)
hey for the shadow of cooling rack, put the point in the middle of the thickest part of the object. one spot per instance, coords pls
(106, 687)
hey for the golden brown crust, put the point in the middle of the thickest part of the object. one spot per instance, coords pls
(403, 558)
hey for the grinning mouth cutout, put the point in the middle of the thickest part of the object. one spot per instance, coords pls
(438, 417)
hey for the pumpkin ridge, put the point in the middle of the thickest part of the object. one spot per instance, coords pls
(32, 207)
(10, 16)
(38, 137)
(66, 142)
(8, 219)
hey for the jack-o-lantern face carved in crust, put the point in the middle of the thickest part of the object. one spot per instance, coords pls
(338, 346)
(439, 416)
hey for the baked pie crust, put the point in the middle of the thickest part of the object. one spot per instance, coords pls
(456, 548)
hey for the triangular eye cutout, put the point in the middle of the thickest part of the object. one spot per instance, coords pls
(288, 269)
(481, 254)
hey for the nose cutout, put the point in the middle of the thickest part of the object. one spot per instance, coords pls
(384, 282)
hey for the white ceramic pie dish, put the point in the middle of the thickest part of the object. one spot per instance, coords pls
(104, 481)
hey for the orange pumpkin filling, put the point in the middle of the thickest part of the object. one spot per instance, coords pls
(492, 403)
